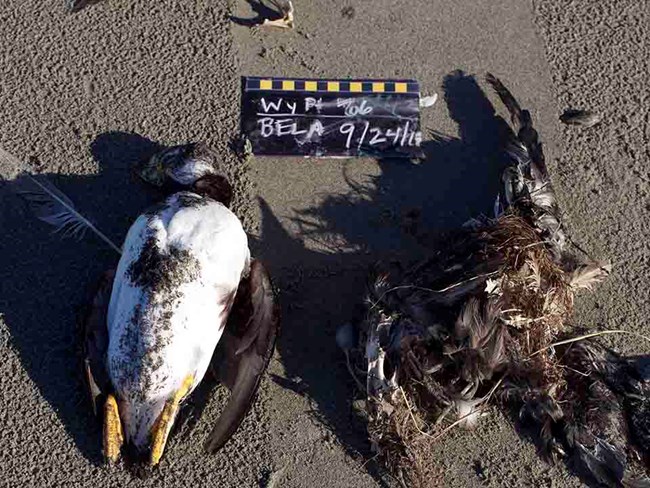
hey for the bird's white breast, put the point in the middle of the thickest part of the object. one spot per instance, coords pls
(180, 269)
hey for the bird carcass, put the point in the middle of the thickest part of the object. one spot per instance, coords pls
(486, 320)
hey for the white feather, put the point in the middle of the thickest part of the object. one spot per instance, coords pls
(468, 412)
(589, 275)
(191, 171)
(430, 101)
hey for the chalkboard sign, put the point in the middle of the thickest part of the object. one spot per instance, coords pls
(333, 118)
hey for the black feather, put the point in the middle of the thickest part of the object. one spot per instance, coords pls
(583, 118)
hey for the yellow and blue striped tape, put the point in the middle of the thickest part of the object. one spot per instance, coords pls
(332, 86)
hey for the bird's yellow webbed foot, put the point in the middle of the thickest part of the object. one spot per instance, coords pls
(165, 421)
(113, 437)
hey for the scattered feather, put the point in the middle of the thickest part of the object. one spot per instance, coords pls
(430, 101)
(468, 412)
(583, 118)
(589, 275)
(498, 208)
(76, 5)
(50, 205)
(492, 287)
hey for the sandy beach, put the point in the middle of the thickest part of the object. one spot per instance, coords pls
(85, 96)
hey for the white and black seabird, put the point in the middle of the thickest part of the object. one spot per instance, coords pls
(185, 287)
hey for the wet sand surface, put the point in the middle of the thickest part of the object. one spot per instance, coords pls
(84, 97)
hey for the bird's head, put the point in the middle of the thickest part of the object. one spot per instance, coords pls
(192, 167)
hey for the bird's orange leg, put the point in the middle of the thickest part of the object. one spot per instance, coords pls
(113, 437)
(163, 425)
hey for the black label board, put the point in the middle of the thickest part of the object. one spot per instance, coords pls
(332, 118)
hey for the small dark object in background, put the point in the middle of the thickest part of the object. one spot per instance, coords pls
(76, 5)
(296, 385)
(286, 10)
(583, 118)
(348, 12)
(281, 11)
(481, 471)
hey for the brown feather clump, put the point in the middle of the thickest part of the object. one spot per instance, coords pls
(484, 329)
(475, 325)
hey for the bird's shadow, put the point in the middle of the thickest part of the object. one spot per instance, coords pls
(396, 214)
(459, 178)
(46, 279)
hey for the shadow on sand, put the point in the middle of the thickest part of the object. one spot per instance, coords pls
(45, 279)
(394, 215)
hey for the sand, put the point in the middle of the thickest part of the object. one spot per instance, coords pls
(86, 96)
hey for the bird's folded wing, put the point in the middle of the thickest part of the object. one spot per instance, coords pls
(245, 350)
(95, 340)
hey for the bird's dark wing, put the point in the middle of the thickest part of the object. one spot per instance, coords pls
(245, 350)
(642, 365)
(527, 184)
(95, 340)
(523, 125)
(609, 413)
